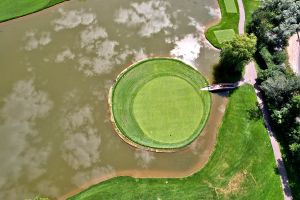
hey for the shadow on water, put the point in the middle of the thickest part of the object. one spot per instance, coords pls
(225, 74)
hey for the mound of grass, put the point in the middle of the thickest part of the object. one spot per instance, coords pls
(228, 21)
(224, 35)
(242, 166)
(10, 9)
(230, 6)
(158, 103)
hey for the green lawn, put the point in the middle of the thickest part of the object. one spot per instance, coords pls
(224, 35)
(10, 9)
(158, 103)
(250, 6)
(242, 166)
(228, 21)
(230, 6)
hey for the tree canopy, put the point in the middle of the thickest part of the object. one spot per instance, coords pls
(275, 21)
(238, 51)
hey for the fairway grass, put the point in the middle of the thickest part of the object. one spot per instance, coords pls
(242, 166)
(157, 103)
(224, 35)
(10, 9)
(228, 21)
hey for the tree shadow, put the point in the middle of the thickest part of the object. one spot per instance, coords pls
(225, 74)
(254, 113)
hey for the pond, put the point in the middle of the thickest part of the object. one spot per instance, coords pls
(56, 68)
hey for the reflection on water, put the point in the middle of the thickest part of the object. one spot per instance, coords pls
(56, 68)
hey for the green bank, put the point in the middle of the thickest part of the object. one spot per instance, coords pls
(10, 9)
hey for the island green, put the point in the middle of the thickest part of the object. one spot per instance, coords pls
(158, 103)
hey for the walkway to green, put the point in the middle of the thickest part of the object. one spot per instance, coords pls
(10, 9)
(241, 167)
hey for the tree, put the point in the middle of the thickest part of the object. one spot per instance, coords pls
(276, 21)
(238, 51)
(280, 88)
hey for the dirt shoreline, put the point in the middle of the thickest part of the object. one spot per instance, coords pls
(294, 54)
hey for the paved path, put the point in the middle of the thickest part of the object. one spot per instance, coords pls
(294, 53)
(250, 77)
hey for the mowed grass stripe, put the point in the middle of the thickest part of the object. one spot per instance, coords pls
(242, 166)
(133, 80)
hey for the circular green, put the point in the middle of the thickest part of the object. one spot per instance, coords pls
(158, 103)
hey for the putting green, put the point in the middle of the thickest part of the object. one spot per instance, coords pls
(158, 103)
(224, 35)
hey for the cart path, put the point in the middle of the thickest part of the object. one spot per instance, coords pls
(250, 77)
(294, 53)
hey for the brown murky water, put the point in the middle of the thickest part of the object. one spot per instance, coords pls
(56, 67)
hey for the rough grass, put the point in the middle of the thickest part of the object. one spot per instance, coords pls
(228, 21)
(241, 167)
(160, 113)
(224, 35)
(230, 6)
(10, 9)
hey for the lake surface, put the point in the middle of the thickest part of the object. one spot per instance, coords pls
(56, 68)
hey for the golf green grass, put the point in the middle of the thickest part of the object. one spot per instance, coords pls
(10, 9)
(242, 166)
(224, 35)
(230, 6)
(158, 103)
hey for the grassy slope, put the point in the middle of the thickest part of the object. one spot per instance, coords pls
(18, 8)
(228, 21)
(243, 159)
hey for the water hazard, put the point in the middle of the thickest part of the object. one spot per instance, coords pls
(56, 68)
